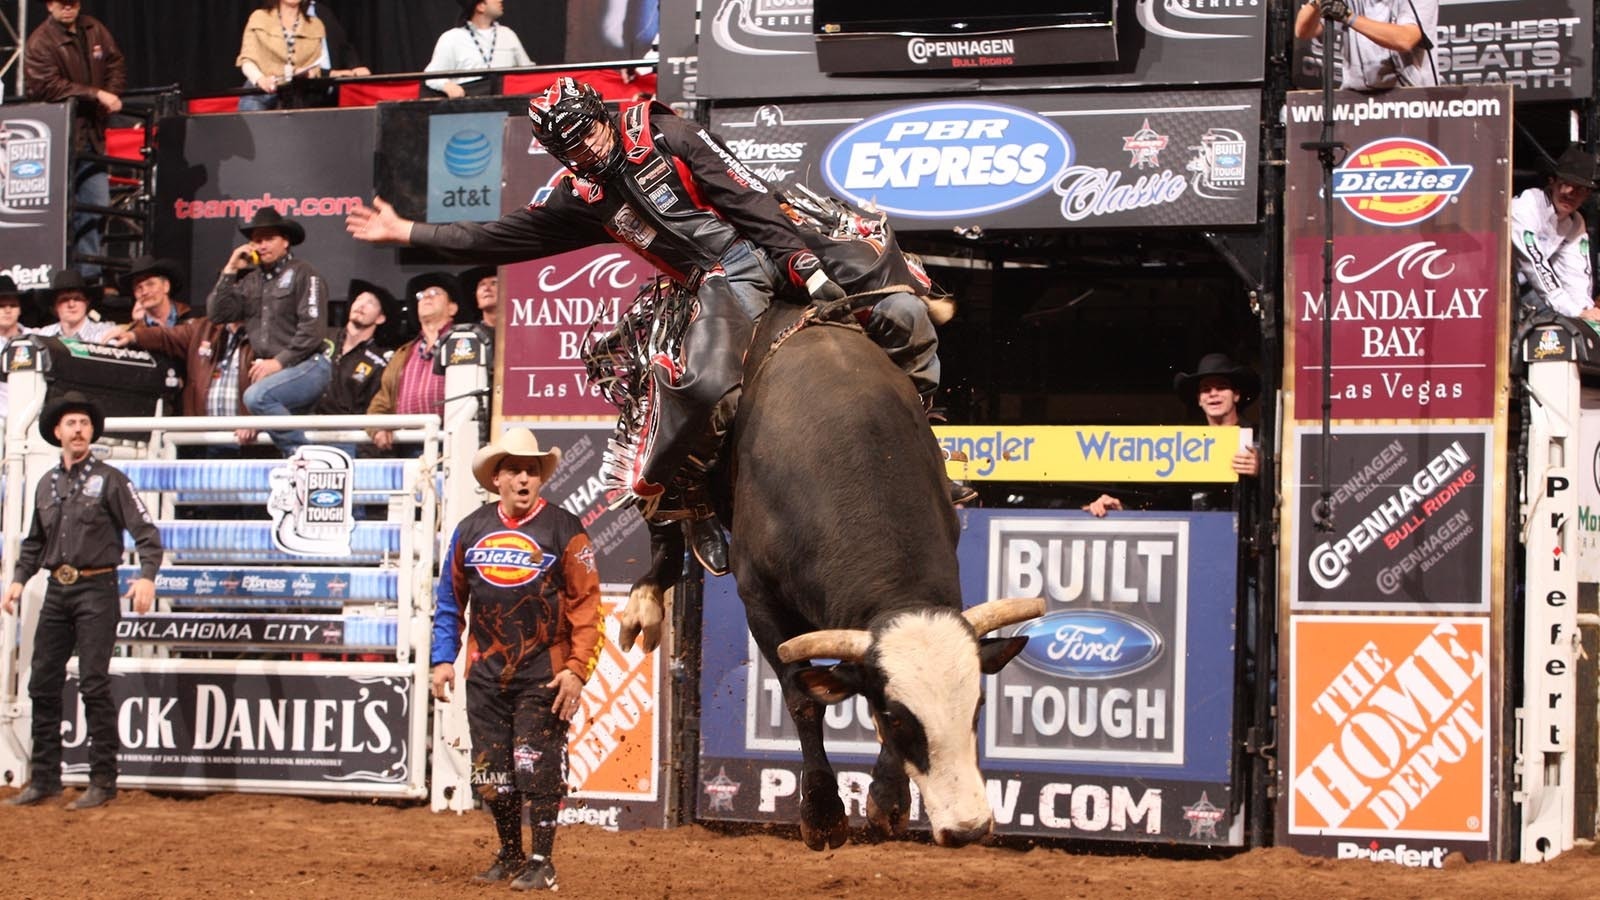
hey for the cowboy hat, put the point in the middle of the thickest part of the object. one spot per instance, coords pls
(61, 282)
(518, 442)
(1244, 379)
(268, 217)
(393, 311)
(8, 288)
(466, 306)
(71, 401)
(150, 265)
(1577, 166)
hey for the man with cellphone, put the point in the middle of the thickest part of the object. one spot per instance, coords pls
(279, 298)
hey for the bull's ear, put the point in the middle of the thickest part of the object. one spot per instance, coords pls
(994, 653)
(828, 684)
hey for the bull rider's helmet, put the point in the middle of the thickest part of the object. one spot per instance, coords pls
(562, 116)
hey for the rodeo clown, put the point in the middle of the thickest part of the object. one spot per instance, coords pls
(673, 192)
(525, 570)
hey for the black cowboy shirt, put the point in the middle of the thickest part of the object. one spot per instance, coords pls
(79, 515)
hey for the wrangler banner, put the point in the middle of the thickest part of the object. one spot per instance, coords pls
(1421, 264)
(1104, 726)
(1389, 742)
(1092, 453)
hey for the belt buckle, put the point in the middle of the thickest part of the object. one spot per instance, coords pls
(65, 574)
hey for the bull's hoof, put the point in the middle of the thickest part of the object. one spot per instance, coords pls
(823, 823)
(890, 817)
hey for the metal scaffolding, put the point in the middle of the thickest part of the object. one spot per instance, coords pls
(16, 32)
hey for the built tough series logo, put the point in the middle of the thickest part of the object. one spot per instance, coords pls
(311, 502)
(1398, 181)
(763, 27)
(25, 145)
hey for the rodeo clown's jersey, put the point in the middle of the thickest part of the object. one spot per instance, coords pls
(680, 201)
(533, 594)
(1551, 256)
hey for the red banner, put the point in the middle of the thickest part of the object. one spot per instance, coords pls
(1413, 325)
(550, 304)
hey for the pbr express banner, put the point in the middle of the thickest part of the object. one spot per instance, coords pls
(1108, 725)
(1421, 264)
(1163, 158)
(766, 48)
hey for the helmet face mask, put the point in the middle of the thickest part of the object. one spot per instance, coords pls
(563, 120)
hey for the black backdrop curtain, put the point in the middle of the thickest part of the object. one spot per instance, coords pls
(192, 43)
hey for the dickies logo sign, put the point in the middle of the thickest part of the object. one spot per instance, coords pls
(508, 558)
(1397, 181)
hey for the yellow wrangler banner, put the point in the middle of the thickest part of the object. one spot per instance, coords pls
(1094, 453)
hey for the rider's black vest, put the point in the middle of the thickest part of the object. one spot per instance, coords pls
(653, 204)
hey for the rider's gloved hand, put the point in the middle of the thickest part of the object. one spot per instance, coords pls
(806, 270)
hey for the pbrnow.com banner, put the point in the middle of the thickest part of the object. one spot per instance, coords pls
(1094, 730)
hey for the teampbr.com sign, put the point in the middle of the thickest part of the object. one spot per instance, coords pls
(316, 729)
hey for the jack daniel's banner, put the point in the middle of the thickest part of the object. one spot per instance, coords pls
(336, 728)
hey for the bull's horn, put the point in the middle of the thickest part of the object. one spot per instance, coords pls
(848, 644)
(986, 617)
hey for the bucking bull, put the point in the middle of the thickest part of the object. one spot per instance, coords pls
(844, 547)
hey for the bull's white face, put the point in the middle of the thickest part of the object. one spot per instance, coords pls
(932, 687)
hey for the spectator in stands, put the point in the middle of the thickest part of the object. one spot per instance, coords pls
(358, 358)
(81, 509)
(1220, 387)
(411, 383)
(68, 299)
(533, 641)
(478, 41)
(214, 356)
(340, 56)
(74, 55)
(152, 282)
(1550, 240)
(1387, 43)
(10, 327)
(483, 285)
(281, 42)
(279, 298)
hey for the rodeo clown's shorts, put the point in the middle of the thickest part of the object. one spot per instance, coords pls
(518, 744)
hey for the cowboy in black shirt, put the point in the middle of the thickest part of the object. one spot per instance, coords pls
(81, 509)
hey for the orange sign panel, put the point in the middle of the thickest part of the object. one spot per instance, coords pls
(1388, 723)
(613, 750)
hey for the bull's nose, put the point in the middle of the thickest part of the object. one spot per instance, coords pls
(962, 835)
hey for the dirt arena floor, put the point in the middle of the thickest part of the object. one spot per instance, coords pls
(230, 845)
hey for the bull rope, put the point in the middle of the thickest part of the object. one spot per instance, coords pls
(836, 313)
